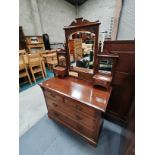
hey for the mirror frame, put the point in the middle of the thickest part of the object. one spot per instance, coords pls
(80, 24)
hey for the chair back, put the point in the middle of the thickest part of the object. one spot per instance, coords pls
(22, 64)
(34, 59)
(22, 51)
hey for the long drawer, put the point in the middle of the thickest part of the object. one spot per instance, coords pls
(70, 103)
(80, 107)
(53, 95)
(78, 117)
(70, 123)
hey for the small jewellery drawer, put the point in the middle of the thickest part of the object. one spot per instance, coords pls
(53, 95)
(69, 122)
(80, 107)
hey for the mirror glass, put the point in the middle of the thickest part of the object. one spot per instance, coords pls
(81, 49)
(105, 65)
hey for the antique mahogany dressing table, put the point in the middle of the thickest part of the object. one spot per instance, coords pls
(74, 101)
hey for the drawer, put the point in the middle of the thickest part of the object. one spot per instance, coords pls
(80, 107)
(81, 118)
(71, 124)
(54, 96)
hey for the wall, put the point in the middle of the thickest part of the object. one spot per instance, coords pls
(102, 10)
(25, 17)
(54, 15)
(126, 29)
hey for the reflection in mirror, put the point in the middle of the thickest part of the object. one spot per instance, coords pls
(62, 60)
(105, 65)
(81, 49)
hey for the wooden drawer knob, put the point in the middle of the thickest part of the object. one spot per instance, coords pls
(52, 95)
(55, 104)
(78, 117)
(78, 107)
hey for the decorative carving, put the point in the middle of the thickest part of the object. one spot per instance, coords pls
(80, 21)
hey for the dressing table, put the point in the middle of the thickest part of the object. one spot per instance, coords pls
(74, 101)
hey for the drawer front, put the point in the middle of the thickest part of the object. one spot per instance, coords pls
(80, 107)
(54, 96)
(78, 117)
(70, 123)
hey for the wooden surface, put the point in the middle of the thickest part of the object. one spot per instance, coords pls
(39, 44)
(77, 105)
(80, 90)
(102, 80)
(123, 81)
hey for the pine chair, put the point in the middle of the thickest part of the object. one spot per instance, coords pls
(23, 71)
(51, 60)
(35, 65)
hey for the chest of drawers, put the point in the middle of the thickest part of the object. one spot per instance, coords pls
(77, 105)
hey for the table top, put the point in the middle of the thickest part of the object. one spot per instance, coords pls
(79, 90)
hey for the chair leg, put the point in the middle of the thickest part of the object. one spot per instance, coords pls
(42, 72)
(28, 77)
(34, 79)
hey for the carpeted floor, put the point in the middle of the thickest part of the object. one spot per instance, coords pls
(32, 108)
(50, 138)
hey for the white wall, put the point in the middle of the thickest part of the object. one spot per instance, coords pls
(55, 14)
(101, 10)
(25, 17)
(126, 29)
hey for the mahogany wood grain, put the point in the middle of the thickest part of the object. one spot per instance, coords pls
(123, 81)
(79, 90)
(77, 105)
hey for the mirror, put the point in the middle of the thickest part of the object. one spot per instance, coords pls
(61, 58)
(81, 49)
(82, 46)
(105, 65)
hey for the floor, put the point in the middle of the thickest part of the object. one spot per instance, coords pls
(31, 108)
(39, 80)
(41, 136)
(50, 138)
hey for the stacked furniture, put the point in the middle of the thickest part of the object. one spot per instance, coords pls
(34, 43)
(76, 48)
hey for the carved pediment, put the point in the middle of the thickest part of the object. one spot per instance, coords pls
(80, 22)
